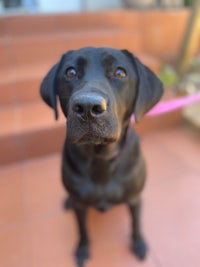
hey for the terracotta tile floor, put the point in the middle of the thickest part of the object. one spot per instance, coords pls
(36, 232)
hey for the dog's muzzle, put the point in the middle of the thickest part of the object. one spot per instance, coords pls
(91, 119)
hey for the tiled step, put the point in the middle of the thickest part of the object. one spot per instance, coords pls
(34, 39)
(30, 130)
(28, 127)
(163, 31)
(156, 38)
(21, 85)
(25, 60)
(29, 25)
(33, 49)
(29, 46)
(20, 36)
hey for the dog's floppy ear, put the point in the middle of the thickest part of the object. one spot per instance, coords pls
(48, 88)
(149, 88)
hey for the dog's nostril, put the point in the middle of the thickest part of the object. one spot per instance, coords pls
(79, 109)
(98, 109)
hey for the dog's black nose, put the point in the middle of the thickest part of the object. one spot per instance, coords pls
(89, 106)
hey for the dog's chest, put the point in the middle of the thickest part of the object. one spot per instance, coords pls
(101, 182)
(101, 196)
(100, 186)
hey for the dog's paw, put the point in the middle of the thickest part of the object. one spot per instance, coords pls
(82, 255)
(139, 248)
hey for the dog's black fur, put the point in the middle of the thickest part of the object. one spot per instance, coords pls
(99, 89)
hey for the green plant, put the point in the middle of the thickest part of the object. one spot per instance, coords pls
(168, 76)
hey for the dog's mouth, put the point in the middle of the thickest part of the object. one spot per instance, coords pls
(91, 139)
(100, 132)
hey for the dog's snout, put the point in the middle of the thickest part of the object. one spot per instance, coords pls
(89, 106)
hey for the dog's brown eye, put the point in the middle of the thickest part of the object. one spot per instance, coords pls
(71, 72)
(120, 73)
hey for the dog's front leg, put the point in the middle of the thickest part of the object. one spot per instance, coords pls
(138, 245)
(82, 251)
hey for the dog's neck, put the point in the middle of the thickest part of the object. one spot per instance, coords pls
(105, 152)
(99, 161)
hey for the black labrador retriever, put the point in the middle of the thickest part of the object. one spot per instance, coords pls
(99, 89)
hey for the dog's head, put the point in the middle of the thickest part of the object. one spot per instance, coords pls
(99, 89)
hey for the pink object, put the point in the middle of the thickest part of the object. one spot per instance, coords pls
(167, 106)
